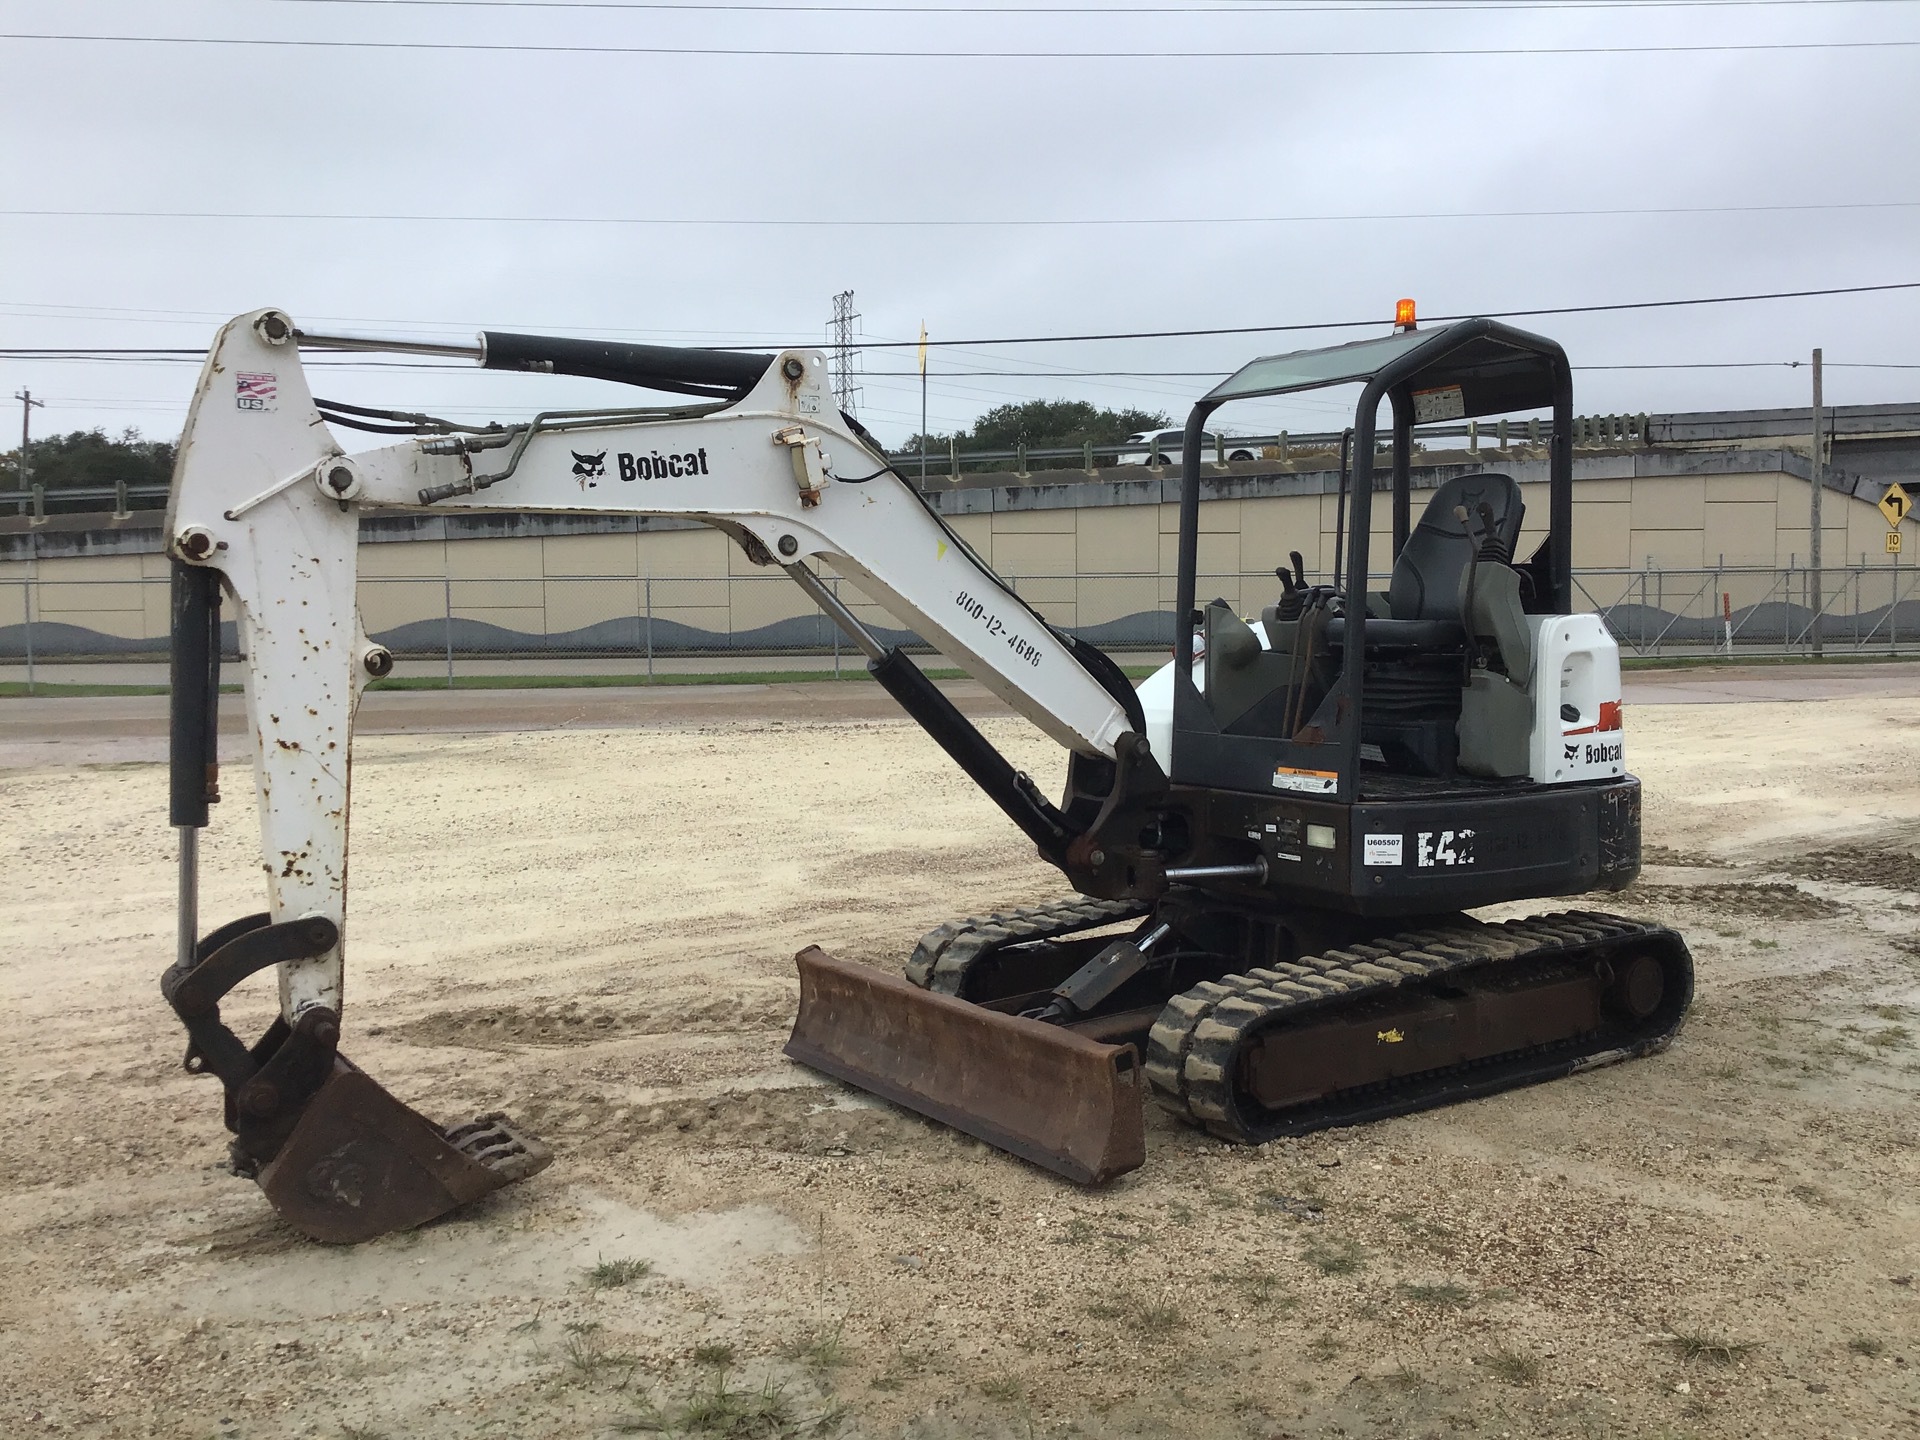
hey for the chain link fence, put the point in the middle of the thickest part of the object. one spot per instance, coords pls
(651, 625)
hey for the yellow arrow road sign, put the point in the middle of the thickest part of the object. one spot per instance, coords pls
(1896, 504)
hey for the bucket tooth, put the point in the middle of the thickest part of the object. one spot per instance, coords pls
(359, 1163)
(1060, 1100)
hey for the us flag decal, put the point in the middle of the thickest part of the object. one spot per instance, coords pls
(255, 392)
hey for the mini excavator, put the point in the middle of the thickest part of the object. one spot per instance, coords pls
(1272, 844)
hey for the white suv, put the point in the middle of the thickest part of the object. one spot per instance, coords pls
(1171, 443)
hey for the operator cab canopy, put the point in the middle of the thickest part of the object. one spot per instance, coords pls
(1496, 370)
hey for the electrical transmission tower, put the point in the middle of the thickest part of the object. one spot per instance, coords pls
(840, 336)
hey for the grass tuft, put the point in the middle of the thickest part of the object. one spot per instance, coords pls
(819, 1349)
(724, 1413)
(612, 1274)
(1513, 1366)
(1324, 1347)
(1335, 1257)
(1691, 1345)
(1004, 1388)
(713, 1352)
(584, 1352)
(1445, 1295)
(1867, 1346)
(1158, 1321)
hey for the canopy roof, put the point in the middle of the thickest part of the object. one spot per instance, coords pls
(1496, 368)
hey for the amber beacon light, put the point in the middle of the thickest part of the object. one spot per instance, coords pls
(1403, 315)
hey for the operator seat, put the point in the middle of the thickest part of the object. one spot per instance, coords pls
(1426, 591)
(1412, 678)
(1453, 580)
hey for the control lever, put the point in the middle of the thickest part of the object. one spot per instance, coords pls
(1488, 548)
(1291, 601)
(1473, 574)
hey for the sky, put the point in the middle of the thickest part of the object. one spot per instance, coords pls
(712, 174)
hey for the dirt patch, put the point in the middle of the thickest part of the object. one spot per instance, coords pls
(1747, 902)
(568, 1023)
(1886, 869)
(1680, 859)
(1715, 1243)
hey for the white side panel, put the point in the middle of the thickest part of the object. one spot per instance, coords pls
(1576, 664)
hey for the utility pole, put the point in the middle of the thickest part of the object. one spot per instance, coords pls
(27, 402)
(841, 335)
(923, 406)
(27, 406)
(1813, 509)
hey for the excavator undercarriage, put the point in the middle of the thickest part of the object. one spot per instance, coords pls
(1444, 1009)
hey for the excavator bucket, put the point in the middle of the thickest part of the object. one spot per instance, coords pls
(358, 1163)
(338, 1157)
(1068, 1104)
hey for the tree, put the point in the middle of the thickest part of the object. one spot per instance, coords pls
(89, 459)
(1042, 425)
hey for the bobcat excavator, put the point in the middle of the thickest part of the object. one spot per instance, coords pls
(1272, 844)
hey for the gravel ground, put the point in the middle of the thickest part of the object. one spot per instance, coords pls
(593, 929)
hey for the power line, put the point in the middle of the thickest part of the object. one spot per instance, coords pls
(936, 223)
(788, 52)
(1218, 374)
(1373, 323)
(1378, 322)
(1304, 7)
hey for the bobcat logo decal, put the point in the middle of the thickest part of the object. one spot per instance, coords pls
(589, 468)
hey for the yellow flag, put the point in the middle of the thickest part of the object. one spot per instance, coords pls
(923, 347)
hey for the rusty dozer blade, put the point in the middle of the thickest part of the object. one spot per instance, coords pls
(1068, 1104)
(359, 1163)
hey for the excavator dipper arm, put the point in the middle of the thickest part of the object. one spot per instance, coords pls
(267, 500)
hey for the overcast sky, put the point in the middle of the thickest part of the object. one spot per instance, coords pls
(1224, 153)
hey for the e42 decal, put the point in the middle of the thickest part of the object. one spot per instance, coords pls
(1429, 847)
(1443, 847)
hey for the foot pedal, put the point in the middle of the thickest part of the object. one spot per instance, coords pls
(360, 1164)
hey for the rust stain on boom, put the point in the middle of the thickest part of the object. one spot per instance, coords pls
(1068, 1104)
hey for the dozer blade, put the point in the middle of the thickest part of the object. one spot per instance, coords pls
(1068, 1104)
(359, 1163)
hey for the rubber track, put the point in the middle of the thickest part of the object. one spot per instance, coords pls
(944, 955)
(1192, 1048)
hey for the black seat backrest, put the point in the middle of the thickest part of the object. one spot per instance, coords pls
(1426, 577)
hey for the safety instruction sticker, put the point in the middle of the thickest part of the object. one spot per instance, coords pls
(1307, 782)
(1445, 403)
(1380, 850)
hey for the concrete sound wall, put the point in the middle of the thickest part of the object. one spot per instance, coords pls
(1095, 553)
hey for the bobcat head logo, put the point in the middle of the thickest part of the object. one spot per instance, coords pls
(588, 468)
(1573, 752)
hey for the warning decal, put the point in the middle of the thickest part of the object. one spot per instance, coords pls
(1307, 782)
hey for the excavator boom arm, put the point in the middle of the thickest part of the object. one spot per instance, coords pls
(265, 495)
